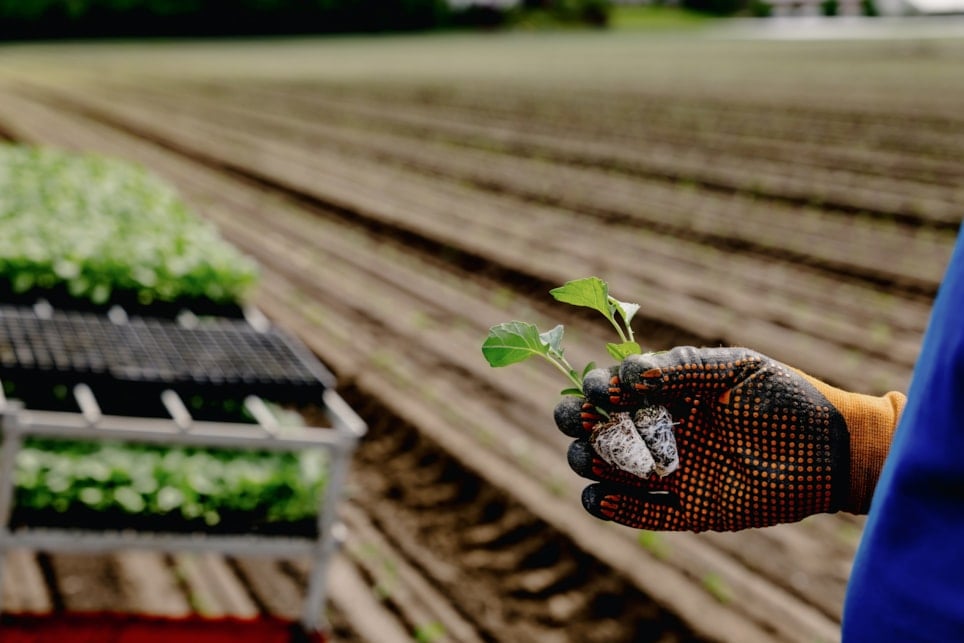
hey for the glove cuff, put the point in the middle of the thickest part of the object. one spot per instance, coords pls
(871, 422)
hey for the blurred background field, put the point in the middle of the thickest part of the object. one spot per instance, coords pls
(33, 19)
(782, 189)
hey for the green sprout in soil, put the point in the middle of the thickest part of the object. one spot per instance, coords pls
(717, 587)
(430, 632)
(653, 542)
(516, 341)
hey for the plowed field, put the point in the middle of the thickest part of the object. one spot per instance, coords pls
(404, 194)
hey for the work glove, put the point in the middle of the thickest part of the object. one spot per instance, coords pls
(758, 442)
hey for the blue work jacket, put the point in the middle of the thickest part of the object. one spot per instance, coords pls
(907, 582)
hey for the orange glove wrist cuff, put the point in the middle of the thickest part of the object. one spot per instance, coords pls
(871, 422)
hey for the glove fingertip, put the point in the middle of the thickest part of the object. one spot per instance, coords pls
(594, 500)
(568, 415)
(640, 372)
(597, 386)
(580, 457)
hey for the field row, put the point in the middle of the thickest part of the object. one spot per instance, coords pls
(855, 246)
(907, 179)
(723, 118)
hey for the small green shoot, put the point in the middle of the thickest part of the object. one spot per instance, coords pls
(717, 587)
(653, 542)
(516, 341)
(430, 632)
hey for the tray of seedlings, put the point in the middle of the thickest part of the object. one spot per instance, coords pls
(143, 403)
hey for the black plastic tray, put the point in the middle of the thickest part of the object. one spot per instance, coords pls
(221, 356)
(82, 518)
(60, 298)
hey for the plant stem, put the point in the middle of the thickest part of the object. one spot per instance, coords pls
(562, 364)
(613, 305)
(622, 335)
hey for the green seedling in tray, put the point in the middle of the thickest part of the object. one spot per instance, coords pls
(94, 226)
(186, 482)
(222, 488)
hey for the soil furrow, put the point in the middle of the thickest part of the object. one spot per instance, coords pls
(832, 189)
(875, 126)
(643, 121)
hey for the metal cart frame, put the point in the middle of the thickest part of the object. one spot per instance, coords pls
(339, 440)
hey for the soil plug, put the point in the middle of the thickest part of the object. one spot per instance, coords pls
(620, 444)
(655, 426)
(640, 443)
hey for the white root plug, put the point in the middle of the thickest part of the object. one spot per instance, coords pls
(640, 443)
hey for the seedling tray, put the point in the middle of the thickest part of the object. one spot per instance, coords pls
(138, 356)
(92, 521)
(134, 379)
(60, 298)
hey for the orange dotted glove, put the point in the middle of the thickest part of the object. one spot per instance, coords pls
(759, 443)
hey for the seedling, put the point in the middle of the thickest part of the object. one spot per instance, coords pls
(653, 542)
(430, 632)
(516, 341)
(718, 588)
(640, 442)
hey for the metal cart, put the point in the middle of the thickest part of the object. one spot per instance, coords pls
(114, 353)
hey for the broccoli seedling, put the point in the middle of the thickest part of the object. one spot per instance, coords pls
(516, 341)
(641, 442)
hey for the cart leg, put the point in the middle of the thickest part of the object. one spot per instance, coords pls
(313, 618)
(330, 534)
(9, 448)
(313, 614)
(3, 565)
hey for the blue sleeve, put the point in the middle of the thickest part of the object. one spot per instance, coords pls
(907, 583)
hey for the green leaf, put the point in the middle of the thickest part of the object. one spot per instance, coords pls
(129, 499)
(91, 496)
(591, 292)
(169, 499)
(553, 339)
(572, 391)
(590, 366)
(513, 342)
(619, 352)
(22, 282)
(626, 310)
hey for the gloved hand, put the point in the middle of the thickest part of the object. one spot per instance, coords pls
(759, 443)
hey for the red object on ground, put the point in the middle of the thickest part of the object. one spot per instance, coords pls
(135, 628)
